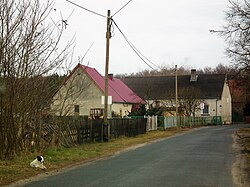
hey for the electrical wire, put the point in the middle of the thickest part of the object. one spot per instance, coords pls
(146, 57)
(138, 53)
(132, 46)
(121, 8)
(86, 9)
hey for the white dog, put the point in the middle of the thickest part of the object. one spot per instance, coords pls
(38, 162)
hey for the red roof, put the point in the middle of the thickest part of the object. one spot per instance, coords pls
(119, 91)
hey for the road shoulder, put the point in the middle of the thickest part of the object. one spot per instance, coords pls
(241, 166)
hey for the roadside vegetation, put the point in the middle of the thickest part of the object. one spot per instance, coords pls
(244, 141)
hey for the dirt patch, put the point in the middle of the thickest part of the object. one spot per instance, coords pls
(241, 168)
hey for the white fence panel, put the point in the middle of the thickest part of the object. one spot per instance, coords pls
(151, 123)
(170, 122)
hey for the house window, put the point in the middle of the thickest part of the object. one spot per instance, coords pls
(96, 112)
(77, 109)
(205, 111)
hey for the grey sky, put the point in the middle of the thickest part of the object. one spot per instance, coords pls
(167, 32)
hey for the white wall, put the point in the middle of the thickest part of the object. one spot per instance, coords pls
(78, 90)
(226, 105)
(215, 108)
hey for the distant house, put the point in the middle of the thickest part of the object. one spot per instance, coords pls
(198, 95)
(240, 98)
(82, 91)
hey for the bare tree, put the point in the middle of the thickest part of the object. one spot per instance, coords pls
(29, 49)
(190, 100)
(237, 34)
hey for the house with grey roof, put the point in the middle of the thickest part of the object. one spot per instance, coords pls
(197, 95)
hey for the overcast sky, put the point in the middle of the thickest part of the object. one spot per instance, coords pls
(167, 32)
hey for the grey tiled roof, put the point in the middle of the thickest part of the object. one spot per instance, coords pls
(210, 86)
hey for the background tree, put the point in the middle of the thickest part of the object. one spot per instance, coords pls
(190, 100)
(237, 34)
(29, 50)
(169, 71)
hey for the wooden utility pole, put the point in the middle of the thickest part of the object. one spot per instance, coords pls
(176, 94)
(105, 119)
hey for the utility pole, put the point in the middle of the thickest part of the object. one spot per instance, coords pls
(176, 94)
(105, 119)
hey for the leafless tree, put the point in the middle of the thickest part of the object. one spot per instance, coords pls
(237, 34)
(29, 50)
(190, 100)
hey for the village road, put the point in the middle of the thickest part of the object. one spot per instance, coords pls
(200, 158)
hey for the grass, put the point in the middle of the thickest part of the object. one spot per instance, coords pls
(244, 138)
(57, 158)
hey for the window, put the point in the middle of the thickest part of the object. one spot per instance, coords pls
(205, 111)
(96, 112)
(77, 109)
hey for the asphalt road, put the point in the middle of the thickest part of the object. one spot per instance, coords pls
(200, 158)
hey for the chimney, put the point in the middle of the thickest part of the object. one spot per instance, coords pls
(110, 76)
(193, 77)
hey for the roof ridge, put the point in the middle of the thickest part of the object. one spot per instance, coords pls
(154, 76)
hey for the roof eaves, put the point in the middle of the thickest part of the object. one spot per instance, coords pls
(66, 79)
(97, 85)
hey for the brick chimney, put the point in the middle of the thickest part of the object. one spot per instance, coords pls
(111, 76)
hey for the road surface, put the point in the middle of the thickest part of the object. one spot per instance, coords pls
(200, 158)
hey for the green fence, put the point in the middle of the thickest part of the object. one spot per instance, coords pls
(172, 121)
(190, 121)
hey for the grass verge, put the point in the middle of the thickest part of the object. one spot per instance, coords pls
(18, 168)
(244, 141)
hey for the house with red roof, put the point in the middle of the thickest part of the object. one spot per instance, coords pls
(82, 91)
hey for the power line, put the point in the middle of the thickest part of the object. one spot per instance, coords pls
(145, 57)
(132, 46)
(121, 8)
(93, 12)
(138, 53)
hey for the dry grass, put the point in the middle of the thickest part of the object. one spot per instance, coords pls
(244, 140)
(18, 168)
